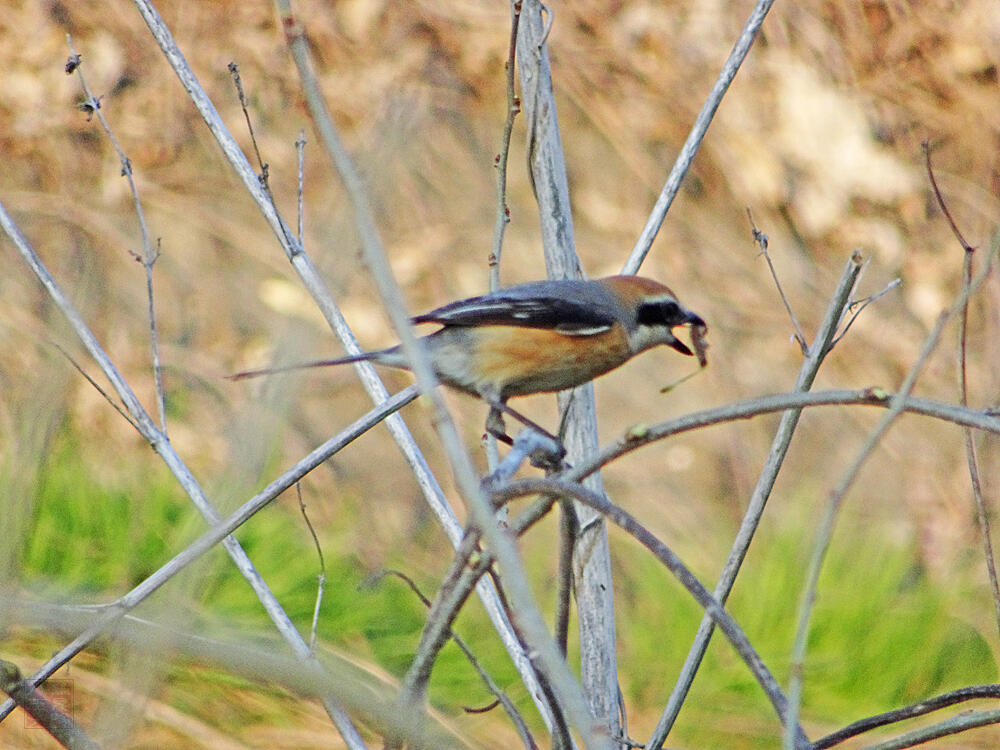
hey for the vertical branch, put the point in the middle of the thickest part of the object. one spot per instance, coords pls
(313, 283)
(528, 618)
(568, 528)
(755, 508)
(963, 389)
(162, 445)
(503, 212)
(690, 148)
(321, 576)
(513, 107)
(546, 165)
(824, 532)
(92, 105)
(591, 554)
(300, 151)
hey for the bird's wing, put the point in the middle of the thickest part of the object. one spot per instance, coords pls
(567, 316)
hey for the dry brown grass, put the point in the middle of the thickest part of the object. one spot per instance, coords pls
(820, 136)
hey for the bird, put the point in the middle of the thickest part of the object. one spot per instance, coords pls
(538, 337)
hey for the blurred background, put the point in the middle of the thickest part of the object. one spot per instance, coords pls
(820, 137)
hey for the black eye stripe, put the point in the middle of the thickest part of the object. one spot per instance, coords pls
(665, 312)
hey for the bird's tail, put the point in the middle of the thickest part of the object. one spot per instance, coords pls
(390, 357)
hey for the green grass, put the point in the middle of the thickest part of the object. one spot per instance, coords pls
(883, 634)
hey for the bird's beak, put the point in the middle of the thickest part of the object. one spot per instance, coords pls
(698, 330)
(680, 346)
(694, 320)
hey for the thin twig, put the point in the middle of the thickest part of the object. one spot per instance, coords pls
(963, 390)
(220, 530)
(500, 696)
(503, 210)
(314, 284)
(456, 584)
(300, 150)
(568, 528)
(698, 130)
(513, 108)
(973, 692)
(149, 256)
(961, 723)
(321, 577)
(857, 307)
(941, 202)
(529, 619)
(675, 565)
(97, 387)
(824, 532)
(234, 72)
(761, 239)
(646, 435)
(762, 491)
(67, 732)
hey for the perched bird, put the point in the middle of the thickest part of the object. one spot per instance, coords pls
(539, 337)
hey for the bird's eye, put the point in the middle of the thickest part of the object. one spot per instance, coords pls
(662, 313)
(671, 311)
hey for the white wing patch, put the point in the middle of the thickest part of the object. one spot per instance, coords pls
(571, 330)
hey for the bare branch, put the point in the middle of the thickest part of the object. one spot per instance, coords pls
(149, 256)
(316, 287)
(220, 531)
(547, 169)
(762, 491)
(974, 692)
(824, 532)
(940, 199)
(300, 150)
(97, 387)
(665, 555)
(698, 130)
(761, 239)
(645, 434)
(501, 698)
(858, 307)
(467, 567)
(67, 732)
(529, 620)
(963, 392)
(234, 72)
(321, 578)
(513, 107)
(569, 528)
(961, 723)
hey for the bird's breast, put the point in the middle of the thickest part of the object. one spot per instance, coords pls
(507, 361)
